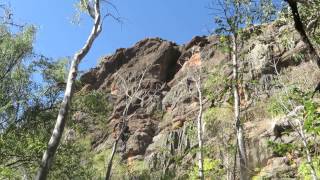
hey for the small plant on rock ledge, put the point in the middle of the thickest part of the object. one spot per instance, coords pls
(212, 170)
(93, 106)
(280, 149)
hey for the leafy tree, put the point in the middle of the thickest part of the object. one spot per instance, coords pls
(266, 11)
(30, 90)
(14, 73)
(236, 15)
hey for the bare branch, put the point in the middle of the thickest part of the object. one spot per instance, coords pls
(130, 94)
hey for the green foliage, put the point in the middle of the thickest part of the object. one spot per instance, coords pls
(83, 4)
(287, 39)
(284, 101)
(212, 170)
(80, 7)
(54, 72)
(15, 73)
(299, 57)
(215, 85)
(218, 118)
(119, 169)
(260, 177)
(9, 173)
(239, 14)
(19, 151)
(310, 13)
(236, 15)
(281, 103)
(266, 11)
(93, 102)
(280, 149)
(94, 106)
(138, 169)
(191, 131)
(14, 48)
(218, 114)
(28, 109)
(277, 106)
(72, 162)
(304, 169)
(99, 161)
(22, 146)
(224, 44)
(158, 114)
(312, 117)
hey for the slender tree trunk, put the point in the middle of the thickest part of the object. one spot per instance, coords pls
(300, 131)
(301, 30)
(306, 148)
(109, 167)
(199, 126)
(64, 109)
(235, 162)
(239, 128)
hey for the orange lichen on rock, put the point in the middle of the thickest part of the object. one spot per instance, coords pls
(114, 89)
(195, 60)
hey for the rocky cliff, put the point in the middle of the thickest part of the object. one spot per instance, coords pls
(152, 88)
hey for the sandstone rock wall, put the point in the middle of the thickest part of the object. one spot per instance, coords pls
(158, 78)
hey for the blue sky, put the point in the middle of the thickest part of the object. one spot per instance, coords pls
(175, 20)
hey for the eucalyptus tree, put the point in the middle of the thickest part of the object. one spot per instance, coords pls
(30, 90)
(200, 127)
(24, 103)
(94, 10)
(234, 12)
(14, 75)
(234, 15)
(266, 11)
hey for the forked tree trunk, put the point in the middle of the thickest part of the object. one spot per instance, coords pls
(64, 109)
(239, 128)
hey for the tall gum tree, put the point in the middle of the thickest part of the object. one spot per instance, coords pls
(233, 16)
(93, 8)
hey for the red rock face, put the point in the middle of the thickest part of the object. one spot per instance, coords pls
(150, 88)
(142, 71)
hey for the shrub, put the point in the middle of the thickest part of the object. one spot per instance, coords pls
(218, 118)
(215, 85)
(95, 108)
(212, 170)
(280, 149)
(304, 169)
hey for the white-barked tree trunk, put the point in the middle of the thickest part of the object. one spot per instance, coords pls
(54, 142)
(238, 124)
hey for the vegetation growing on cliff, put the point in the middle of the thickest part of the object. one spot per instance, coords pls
(238, 103)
